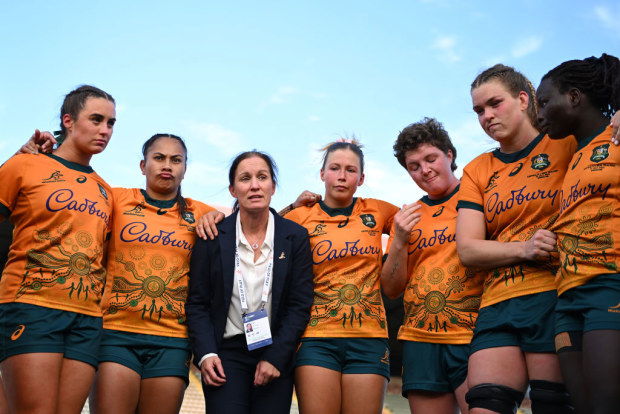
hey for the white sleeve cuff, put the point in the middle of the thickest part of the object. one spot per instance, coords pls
(205, 357)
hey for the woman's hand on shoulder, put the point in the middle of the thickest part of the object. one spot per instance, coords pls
(212, 371)
(206, 226)
(265, 373)
(38, 142)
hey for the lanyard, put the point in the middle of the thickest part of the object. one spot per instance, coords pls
(241, 285)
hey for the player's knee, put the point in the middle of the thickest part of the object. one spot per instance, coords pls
(549, 398)
(494, 397)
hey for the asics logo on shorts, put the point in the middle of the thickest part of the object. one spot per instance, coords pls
(18, 332)
(614, 309)
(386, 357)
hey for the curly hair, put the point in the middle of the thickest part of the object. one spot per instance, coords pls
(428, 131)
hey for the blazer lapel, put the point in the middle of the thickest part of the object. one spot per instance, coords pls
(227, 242)
(281, 256)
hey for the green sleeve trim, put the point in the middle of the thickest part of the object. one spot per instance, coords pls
(4, 210)
(469, 205)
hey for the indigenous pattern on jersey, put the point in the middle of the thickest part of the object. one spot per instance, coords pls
(442, 296)
(347, 257)
(148, 264)
(588, 238)
(518, 194)
(62, 216)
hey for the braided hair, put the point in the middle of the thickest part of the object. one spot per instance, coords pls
(181, 202)
(515, 82)
(597, 78)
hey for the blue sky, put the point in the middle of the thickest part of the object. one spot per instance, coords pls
(282, 77)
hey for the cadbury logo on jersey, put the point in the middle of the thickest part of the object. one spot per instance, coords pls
(600, 153)
(323, 251)
(63, 200)
(540, 162)
(138, 231)
(368, 220)
(56, 177)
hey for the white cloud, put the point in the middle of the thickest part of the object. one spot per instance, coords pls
(493, 60)
(608, 18)
(526, 46)
(226, 141)
(389, 182)
(279, 97)
(314, 118)
(470, 141)
(446, 45)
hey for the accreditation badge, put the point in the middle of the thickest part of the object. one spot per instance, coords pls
(257, 330)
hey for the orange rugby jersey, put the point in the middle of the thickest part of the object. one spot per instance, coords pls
(62, 216)
(588, 238)
(518, 194)
(442, 296)
(347, 257)
(148, 264)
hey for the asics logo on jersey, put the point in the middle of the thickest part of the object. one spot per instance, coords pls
(81, 179)
(318, 230)
(491, 184)
(577, 161)
(516, 170)
(161, 212)
(540, 162)
(56, 177)
(343, 223)
(438, 212)
(600, 153)
(18, 332)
